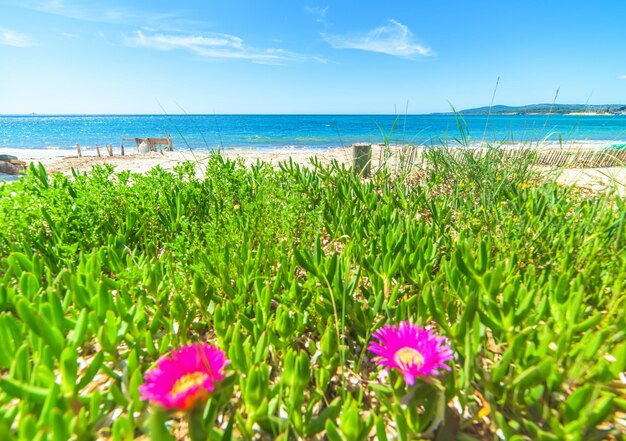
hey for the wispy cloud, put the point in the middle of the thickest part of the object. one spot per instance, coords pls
(318, 12)
(71, 9)
(99, 12)
(621, 77)
(15, 39)
(216, 46)
(393, 39)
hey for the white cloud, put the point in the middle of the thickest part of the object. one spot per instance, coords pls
(318, 12)
(215, 46)
(101, 12)
(621, 77)
(393, 39)
(15, 39)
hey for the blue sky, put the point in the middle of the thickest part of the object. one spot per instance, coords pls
(289, 56)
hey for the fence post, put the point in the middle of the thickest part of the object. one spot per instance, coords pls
(78, 150)
(169, 140)
(362, 158)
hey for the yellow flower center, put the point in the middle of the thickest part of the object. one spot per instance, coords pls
(409, 357)
(186, 382)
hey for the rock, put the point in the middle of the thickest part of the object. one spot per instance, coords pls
(7, 157)
(12, 168)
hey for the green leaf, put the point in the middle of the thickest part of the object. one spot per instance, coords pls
(92, 371)
(468, 315)
(157, 425)
(533, 375)
(331, 412)
(23, 391)
(601, 410)
(577, 401)
(69, 369)
(381, 426)
(29, 285)
(331, 431)
(40, 326)
(350, 423)
(304, 260)
(462, 265)
(59, 428)
(49, 405)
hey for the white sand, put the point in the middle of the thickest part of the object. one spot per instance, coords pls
(143, 162)
(598, 179)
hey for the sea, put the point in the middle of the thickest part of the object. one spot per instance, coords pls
(57, 135)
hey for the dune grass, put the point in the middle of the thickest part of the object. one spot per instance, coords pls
(290, 271)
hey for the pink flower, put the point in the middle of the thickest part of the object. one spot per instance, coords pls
(412, 350)
(184, 377)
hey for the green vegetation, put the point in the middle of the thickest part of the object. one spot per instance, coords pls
(548, 108)
(289, 272)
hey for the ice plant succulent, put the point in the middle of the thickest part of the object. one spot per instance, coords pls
(412, 350)
(184, 377)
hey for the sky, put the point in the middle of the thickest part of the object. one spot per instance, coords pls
(313, 57)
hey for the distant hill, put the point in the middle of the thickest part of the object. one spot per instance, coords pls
(563, 109)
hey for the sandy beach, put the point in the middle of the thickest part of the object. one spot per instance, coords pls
(596, 179)
(143, 162)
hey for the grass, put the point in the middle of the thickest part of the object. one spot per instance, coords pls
(290, 271)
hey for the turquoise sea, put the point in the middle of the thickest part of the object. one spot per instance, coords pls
(60, 133)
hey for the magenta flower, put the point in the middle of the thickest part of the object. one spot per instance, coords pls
(412, 350)
(184, 377)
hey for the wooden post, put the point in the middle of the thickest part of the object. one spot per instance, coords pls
(98, 150)
(110, 148)
(122, 149)
(169, 140)
(78, 150)
(362, 158)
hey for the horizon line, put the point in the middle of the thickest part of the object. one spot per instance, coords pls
(219, 114)
(34, 114)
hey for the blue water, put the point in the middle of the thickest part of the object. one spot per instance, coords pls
(206, 132)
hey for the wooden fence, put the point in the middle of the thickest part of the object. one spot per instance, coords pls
(582, 158)
(570, 158)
